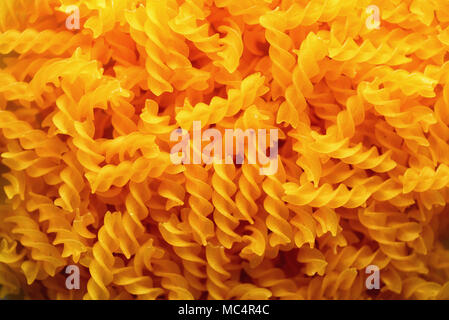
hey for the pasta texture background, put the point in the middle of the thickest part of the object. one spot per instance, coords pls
(363, 165)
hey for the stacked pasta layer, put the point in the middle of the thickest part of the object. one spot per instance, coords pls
(362, 109)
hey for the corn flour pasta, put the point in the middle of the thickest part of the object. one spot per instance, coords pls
(92, 90)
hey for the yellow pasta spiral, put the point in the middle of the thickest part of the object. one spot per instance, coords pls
(346, 100)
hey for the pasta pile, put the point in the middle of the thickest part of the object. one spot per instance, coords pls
(363, 161)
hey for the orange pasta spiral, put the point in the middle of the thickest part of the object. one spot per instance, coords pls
(224, 149)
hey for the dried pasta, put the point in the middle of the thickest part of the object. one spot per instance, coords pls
(88, 110)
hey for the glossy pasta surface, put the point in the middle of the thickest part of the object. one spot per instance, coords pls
(91, 92)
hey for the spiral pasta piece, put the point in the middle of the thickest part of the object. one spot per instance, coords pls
(327, 121)
(40, 42)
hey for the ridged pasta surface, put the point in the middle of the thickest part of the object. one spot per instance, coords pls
(92, 92)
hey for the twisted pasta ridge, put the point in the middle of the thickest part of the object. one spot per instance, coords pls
(389, 108)
(356, 156)
(29, 138)
(304, 226)
(37, 242)
(87, 148)
(225, 214)
(119, 236)
(40, 42)
(249, 181)
(366, 52)
(314, 261)
(136, 205)
(125, 229)
(121, 118)
(15, 191)
(334, 172)
(316, 147)
(336, 285)
(136, 171)
(74, 246)
(8, 253)
(257, 243)
(176, 233)
(404, 15)
(356, 94)
(127, 146)
(248, 291)
(185, 23)
(11, 259)
(232, 47)
(310, 161)
(438, 131)
(141, 286)
(248, 192)
(110, 88)
(145, 255)
(250, 10)
(172, 191)
(312, 50)
(35, 9)
(317, 11)
(278, 212)
(238, 99)
(341, 196)
(282, 60)
(109, 13)
(159, 69)
(391, 241)
(348, 119)
(172, 280)
(101, 266)
(276, 22)
(23, 68)
(11, 89)
(430, 179)
(200, 203)
(383, 190)
(216, 272)
(179, 235)
(151, 123)
(420, 289)
(73, 184)
(424, 46)
(358, 258)
(68, 69)
(123, 49)
(274, 279)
